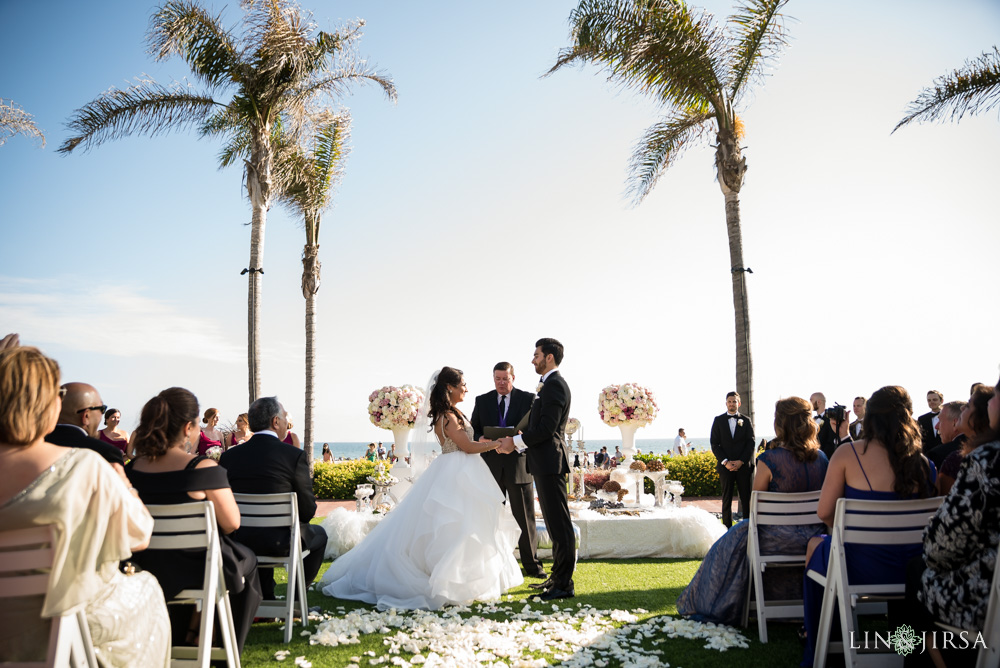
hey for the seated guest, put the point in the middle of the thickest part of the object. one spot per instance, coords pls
(266, 465)
(209, 436)
(951, 438)
(163, 472)
(97, 523)
(951, 582)
(887, 465)
(973, 422)
(794, 464)
(241, 434)
(79, 422)
(111, 434)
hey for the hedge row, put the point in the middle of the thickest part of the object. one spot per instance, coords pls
(695, 471)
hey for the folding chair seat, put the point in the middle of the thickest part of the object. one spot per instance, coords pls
(192, 526)
(280, 511)
(864, 522)
(24, 553)
(775, 509)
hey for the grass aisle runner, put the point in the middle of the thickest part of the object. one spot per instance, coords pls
(623, 615)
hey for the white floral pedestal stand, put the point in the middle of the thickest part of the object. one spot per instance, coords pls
(628, 443)
(383, 493)
(402, 471)
(659, 479)
(362, 494)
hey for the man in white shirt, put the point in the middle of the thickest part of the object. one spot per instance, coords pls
(681, 443)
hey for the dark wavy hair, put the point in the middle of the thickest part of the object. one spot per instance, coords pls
(162, 420)
(440, 405)
(795, 429)
(889, 421)
(979, 421)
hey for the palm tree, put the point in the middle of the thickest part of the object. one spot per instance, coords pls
(973, 89)
(308, 177)
(699, 72)
(265, 77)
(16, 121)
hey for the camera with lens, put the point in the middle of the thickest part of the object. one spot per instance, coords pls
(836, 413)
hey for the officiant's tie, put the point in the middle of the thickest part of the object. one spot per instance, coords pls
(503, 413)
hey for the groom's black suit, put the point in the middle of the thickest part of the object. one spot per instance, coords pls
(734, 446)
(511, 470)
(548, 461)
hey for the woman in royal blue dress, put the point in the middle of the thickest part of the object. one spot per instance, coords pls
(887, 465)
(793, 464)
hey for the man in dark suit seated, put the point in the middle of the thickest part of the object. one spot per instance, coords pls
(504, 407)
(733, 444)
(265, 465)
(948, 432)
(79, 422)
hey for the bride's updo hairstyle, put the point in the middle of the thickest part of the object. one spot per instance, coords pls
(795, 429)
(889, 421)
(163, 419)
(440, 405)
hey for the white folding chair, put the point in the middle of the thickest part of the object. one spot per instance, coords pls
(25, 559)
(989, 656)
(280, 511)
(192, 526)
(862, 522)
(775, 509)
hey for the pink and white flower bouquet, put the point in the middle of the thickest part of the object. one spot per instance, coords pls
(627, 404)
(394, 406)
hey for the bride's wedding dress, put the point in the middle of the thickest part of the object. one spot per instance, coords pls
(450, 540)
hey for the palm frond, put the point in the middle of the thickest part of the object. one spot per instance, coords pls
(760, 35)
(16, 121)
(662, 145)
(185, 29)
(143, 108)
(658, 47)
(971, 90)
(336, 84)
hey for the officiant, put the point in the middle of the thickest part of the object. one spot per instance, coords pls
(505, 407)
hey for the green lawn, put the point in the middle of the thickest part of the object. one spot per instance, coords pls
(650, 586)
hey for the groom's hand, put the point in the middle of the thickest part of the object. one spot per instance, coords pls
(506, 445)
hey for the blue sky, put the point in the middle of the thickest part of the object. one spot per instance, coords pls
(485, 209)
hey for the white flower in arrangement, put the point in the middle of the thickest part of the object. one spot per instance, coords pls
(391, 406)
(214, 452)
(627, 404)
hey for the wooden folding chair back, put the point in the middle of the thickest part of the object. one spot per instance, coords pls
(280, 511)
(862, 522)
(775, 509)
(192, 526)
(25, 559)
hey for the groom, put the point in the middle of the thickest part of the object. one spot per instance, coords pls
(733, 446)
(548, 462)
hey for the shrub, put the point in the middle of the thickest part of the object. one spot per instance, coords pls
(339, 480)
(695, 471)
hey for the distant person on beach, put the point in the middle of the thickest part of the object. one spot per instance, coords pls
(392, 454)
(290, 438)
(371, 454)
(857, 433)
(381, 450)
(681, 443)
(733, 444)
(327, 455)
(619, 456)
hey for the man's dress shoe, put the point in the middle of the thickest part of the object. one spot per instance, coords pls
(554, 592)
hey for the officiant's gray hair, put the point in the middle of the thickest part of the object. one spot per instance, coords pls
(262, 412)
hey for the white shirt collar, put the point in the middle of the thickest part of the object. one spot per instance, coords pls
(545, 377)
(267, 431)
(75, 426)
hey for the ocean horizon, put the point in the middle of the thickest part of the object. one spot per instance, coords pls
(658, 446)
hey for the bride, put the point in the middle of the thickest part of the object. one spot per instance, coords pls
(451, 539)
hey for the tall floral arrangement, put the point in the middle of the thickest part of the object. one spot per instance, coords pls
(391, 406)
(627, 404)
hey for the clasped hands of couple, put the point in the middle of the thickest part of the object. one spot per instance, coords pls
(505, 445)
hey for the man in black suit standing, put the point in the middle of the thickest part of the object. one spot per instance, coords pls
(504, 407)
(265, 465)
(732, 443)
(548, 461)
(929, 421)
(79, 421)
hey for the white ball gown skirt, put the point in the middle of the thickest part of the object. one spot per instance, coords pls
(450, 540)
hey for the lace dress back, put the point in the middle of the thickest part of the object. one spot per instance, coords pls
(450, 445)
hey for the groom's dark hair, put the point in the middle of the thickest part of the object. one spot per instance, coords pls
(551, 347)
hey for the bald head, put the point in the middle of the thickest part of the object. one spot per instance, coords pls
(818, 400)
(80, 396)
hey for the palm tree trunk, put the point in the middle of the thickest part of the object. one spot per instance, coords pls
(310, 286)
(258, 170)
(731, 167)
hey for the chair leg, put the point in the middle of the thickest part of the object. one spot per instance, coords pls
(823, 630)
(303, 595)
(227, 629)
(290, 599)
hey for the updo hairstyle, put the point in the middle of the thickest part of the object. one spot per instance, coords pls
(209, 414)
(163, 420)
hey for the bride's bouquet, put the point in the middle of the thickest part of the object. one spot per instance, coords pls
(628, 404)
(395, 406)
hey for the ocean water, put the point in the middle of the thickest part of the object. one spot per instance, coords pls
(658, 446)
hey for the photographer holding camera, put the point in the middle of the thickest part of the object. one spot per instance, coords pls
(834, 429)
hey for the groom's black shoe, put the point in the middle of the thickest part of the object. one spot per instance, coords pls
(554, 593)
(541, 575)
(541, 585)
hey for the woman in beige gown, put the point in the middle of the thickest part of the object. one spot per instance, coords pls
(98, 522)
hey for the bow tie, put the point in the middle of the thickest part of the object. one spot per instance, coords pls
(732, 417)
